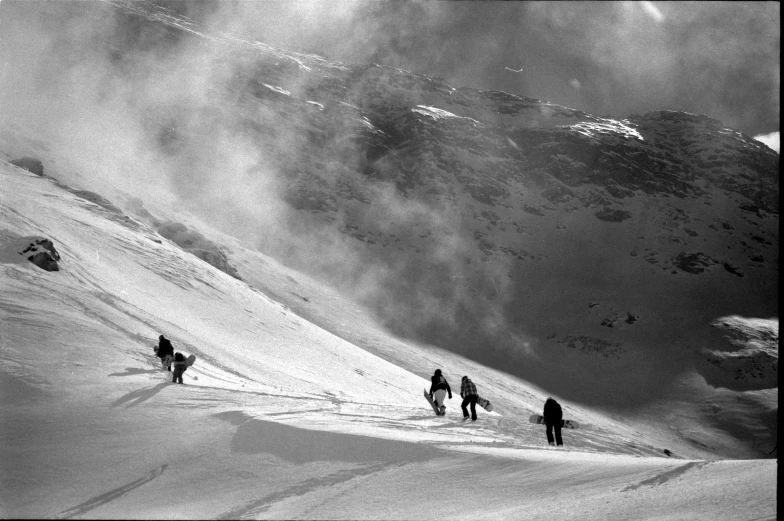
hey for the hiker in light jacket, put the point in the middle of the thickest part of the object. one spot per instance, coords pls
(439, 387)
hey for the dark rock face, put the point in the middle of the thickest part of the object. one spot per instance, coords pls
(613, 216)
(30, 164)
(694, 263)
(195, 243)
(42, 253)
(743, 354)
(524, 200)
(486, 222)
(44, 260)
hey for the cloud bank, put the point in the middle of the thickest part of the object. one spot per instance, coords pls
(773, 140)
(715, 58)
(152, 111)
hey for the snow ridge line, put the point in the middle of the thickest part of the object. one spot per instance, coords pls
(110, 496)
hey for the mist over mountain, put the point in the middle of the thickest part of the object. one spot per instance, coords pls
(554, 244)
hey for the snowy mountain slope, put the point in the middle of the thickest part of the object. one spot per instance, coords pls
(278, 418)
(587, 255)
(520, 222)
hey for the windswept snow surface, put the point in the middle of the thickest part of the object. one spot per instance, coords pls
(438, 114)
(606, 126)
(279, 418)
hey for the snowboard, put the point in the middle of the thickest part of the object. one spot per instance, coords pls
(539, 419)
(485, 404)
(188, 361)
(433, 404)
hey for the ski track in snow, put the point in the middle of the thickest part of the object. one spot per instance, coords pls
(109, 496)
(257, 507)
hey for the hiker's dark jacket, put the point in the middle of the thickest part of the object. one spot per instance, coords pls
(552, 411)
(439, 382)
(165, 348)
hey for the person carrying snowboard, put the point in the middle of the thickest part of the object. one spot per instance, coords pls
(165, 352)
(180, 365)
(470, 396)
(553, 417)
(439, 387)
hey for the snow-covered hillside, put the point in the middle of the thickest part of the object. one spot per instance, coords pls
(281, 418)
(322, 236)
(594, 257)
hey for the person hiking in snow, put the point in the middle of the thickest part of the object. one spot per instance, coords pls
(439, 387)
(165, 352)
(180, 366)
(470, 396)
(553, 417)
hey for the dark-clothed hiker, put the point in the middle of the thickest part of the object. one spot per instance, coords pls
(470, 396)
(553, 417)
(165, 352)
(439, 387)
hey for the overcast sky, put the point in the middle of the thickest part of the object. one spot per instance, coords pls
(615, 58)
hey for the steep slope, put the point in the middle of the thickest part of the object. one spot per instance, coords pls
(278, 418)
(486, 222)
(586, 254)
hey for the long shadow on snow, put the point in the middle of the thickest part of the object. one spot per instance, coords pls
(424, 417)
(302, 446)
(141, 395)
(444, 422)
(106, 497)
(131, 371)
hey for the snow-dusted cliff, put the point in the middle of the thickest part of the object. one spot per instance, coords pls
(494, 224)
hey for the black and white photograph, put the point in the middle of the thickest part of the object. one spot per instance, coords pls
(389, 259)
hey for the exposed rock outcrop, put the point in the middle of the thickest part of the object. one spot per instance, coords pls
(38, 250)
(30, 164)
(479, 217)
(472, 219)
(744, 354)
(195, 243)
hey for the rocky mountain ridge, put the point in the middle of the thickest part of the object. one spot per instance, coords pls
(546, 240)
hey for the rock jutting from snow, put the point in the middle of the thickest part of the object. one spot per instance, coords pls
(38, 250)
(195, 243)
(43, 254)
(744, 353)
(30, 164)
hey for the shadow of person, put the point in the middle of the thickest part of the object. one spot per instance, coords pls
(130, 371)
(421, 417)
(142, 395)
